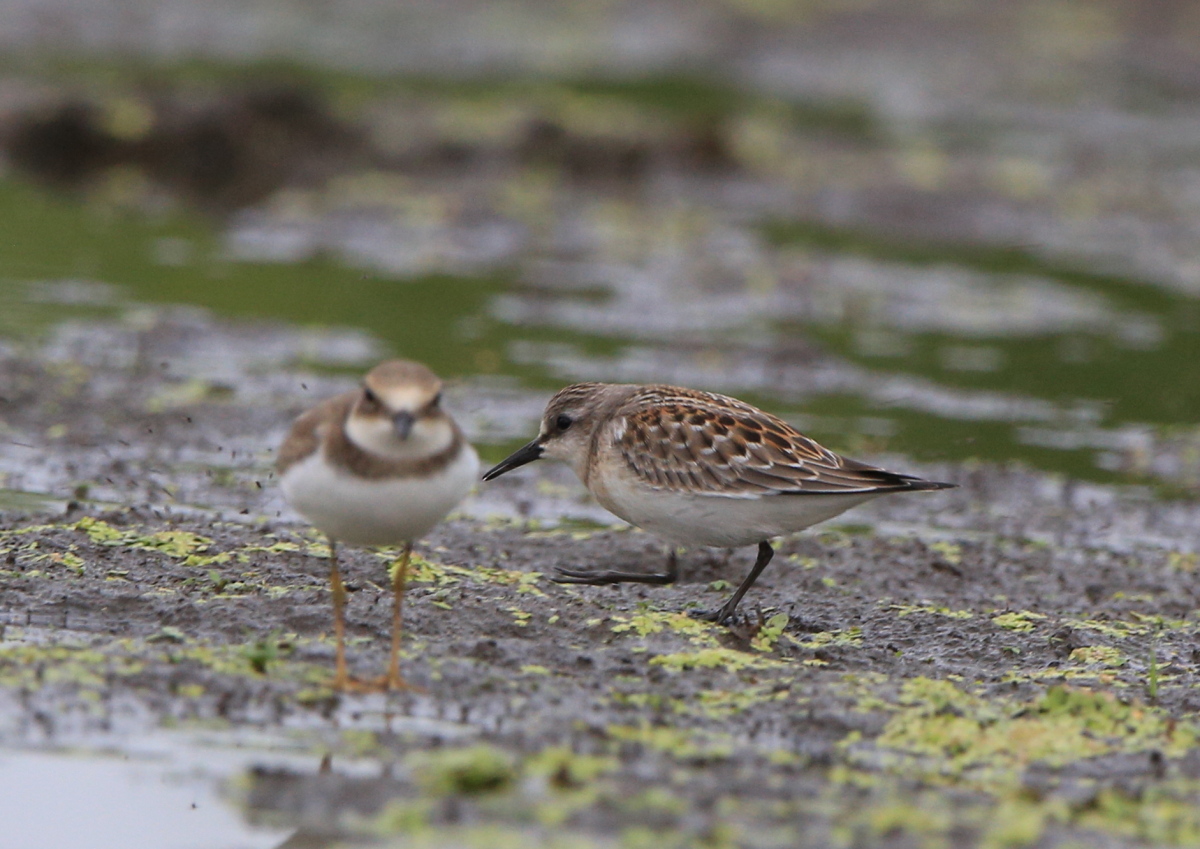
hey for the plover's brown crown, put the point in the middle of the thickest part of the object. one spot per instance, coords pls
(687, 441)
(323, 426)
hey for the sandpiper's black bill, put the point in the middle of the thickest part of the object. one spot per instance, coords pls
(518, 458)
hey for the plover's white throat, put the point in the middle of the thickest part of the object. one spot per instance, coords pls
(698, 469)
(377, 466)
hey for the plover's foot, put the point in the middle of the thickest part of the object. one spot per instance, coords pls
(382, 684)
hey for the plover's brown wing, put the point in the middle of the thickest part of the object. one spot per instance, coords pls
(682, 440)
(309, 429)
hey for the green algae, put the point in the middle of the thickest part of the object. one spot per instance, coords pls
(649, 621)
(723, 704)
(947, 734)
(706, 652)
(424, 571)
(943, 735)
(1104, 656)
(486, 837)
(679, 743)
(1021, 620)
(890, 819)
(68, 560)
(179, 544)
(949, 551)
(1162, 815)
(471, 770)
(927, 607)
(715, 657)
(33, 665)
(845, 638)
(770, 633)
(565, 769)
(521, 618)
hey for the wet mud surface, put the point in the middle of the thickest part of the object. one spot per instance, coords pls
(1008, 662)
(957, 240)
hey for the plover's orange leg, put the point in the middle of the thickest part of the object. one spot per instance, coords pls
(342, 682)
(341, 678)
(395, 681)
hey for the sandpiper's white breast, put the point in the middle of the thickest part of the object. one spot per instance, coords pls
(711, 519)
(386, 511)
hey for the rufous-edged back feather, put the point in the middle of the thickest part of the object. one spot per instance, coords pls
(687, 441)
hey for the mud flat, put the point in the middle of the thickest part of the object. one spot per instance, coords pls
(1007, 664)
(963, 233)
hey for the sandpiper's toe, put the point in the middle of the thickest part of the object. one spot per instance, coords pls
(609, 576)
(584, 576)
(720, 616)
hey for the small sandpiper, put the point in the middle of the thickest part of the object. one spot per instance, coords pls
(380, 465)
(697, 468)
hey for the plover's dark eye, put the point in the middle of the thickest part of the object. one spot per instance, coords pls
(437, 399)
(370, 397)
(563, 422)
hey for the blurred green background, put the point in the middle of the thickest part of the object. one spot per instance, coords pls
(951, 231)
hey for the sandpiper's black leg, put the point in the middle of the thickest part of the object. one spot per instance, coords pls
(613, 576)
(725, 612)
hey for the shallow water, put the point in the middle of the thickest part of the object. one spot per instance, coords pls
(939, 352)
(168, 799)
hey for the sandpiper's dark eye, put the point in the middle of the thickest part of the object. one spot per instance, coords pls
(563, 422)
(437, 399)
(369, 396)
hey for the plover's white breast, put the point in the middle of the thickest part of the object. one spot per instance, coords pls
(383, 511)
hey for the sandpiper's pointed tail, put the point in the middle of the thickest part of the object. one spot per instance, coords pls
(916, 484)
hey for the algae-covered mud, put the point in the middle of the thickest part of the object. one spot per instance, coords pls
(954, 239)
(925, 678)
(1005, 664)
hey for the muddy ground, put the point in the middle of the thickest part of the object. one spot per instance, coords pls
(976, 218)
(1010, 663)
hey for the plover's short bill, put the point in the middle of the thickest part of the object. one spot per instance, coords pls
(377, 466)
(697, 468)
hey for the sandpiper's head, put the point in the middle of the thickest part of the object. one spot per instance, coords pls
(568, 423)
(398, 412)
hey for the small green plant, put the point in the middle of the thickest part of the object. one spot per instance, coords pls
(568, 770)
(467, 771)
(1020, 620)
(167, 634)
(218, 581)
(262, 653)
(770, 632)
